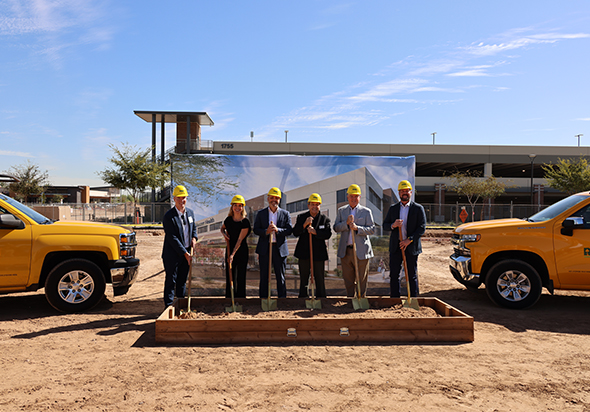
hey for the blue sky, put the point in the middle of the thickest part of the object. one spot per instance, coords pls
(72, 73)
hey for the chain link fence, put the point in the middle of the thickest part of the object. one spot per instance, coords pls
(122, 213)
(153, 213)
(455, 214)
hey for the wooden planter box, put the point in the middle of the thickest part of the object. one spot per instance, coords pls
(452, 325)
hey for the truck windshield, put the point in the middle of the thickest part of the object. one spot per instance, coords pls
(37, 217)
(557, 208)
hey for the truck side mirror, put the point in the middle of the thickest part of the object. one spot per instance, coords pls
(8, 221)
(569, 224)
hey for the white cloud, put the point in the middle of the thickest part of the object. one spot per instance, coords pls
(519, 41)
(389, 88)
(584, 119)
(56, 25)
(18, 154)
(409, 76)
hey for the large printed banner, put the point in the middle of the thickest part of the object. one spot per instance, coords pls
(212, 180)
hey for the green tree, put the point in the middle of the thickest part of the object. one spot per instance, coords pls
(133, 170)
(471, 185)
(31, 181)
(568, 175)
(205, 175)
(492, 189)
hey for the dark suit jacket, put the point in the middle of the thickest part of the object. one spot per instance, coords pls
(416, 225)
(322, 226)
(173, 236)
(284, 230)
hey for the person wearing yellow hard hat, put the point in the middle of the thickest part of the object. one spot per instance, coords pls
(355, 224)
(180, 239)
(318, 225)
(235, 229)
(409, 217)
(272, 225)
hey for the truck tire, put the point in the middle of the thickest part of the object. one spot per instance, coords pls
(75, 285)
(514, 284)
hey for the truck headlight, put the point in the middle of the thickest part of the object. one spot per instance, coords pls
(470, 238)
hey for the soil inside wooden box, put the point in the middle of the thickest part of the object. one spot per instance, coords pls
(295, 308)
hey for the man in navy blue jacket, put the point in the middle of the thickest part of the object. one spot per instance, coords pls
(275, 223)
(409, 217)
(180, 238)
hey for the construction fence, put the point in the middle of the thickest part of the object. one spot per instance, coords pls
(153, 213)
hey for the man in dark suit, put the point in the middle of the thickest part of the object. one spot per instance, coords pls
(318, 225)
(409, 217)
(180, 238)
(274, 223)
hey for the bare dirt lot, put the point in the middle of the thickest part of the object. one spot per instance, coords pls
(108, 360)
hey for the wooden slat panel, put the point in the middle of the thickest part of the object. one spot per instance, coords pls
(452, 326)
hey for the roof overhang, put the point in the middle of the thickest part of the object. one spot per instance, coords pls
(201, 118)
(8, 179)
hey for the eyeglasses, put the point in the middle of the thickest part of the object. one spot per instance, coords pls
(183, 220)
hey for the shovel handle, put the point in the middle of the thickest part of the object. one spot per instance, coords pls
(311, 278)
(405, 263)
(269, 262)
(356, 266)
(231, 275)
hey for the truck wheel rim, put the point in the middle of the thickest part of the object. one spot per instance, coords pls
(513, 285)
(75, 287)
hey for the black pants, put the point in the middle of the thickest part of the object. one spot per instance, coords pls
(279, 263)
(318, 275)
(239, 269)
(395, 262)
(176, 276)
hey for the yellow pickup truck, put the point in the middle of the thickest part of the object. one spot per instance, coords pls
(517, 258)
(73, 261)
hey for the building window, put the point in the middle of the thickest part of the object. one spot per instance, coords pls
(297, 206)
(341, 196)
(202, 229)
(374, 198)
(215, 226)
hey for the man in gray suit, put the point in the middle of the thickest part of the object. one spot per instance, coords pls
(358, 219)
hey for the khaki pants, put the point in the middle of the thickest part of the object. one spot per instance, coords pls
(349, 275)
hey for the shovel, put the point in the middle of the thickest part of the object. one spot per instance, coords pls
(408, 303)
(312, 303)
(188, 313)
(358, 302)
(233, 307)
(269, 304)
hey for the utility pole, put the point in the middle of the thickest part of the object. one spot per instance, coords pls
(286, 131)
(578, 136)
(433, 135)
(532, 157)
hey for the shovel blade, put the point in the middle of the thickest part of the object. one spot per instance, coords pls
(360, 303)
(411, 303)
(269, 304)
(233, 308)
(313, 304)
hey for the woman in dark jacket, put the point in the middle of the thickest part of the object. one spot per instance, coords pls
(235, 229)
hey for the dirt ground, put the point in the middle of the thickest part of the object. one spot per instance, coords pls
(108, 360)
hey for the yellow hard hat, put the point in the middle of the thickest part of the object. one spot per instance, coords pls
(314, 198)
(404, 184)
(238, 199)
(275, 191)
(354, 190)
(180, 191)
